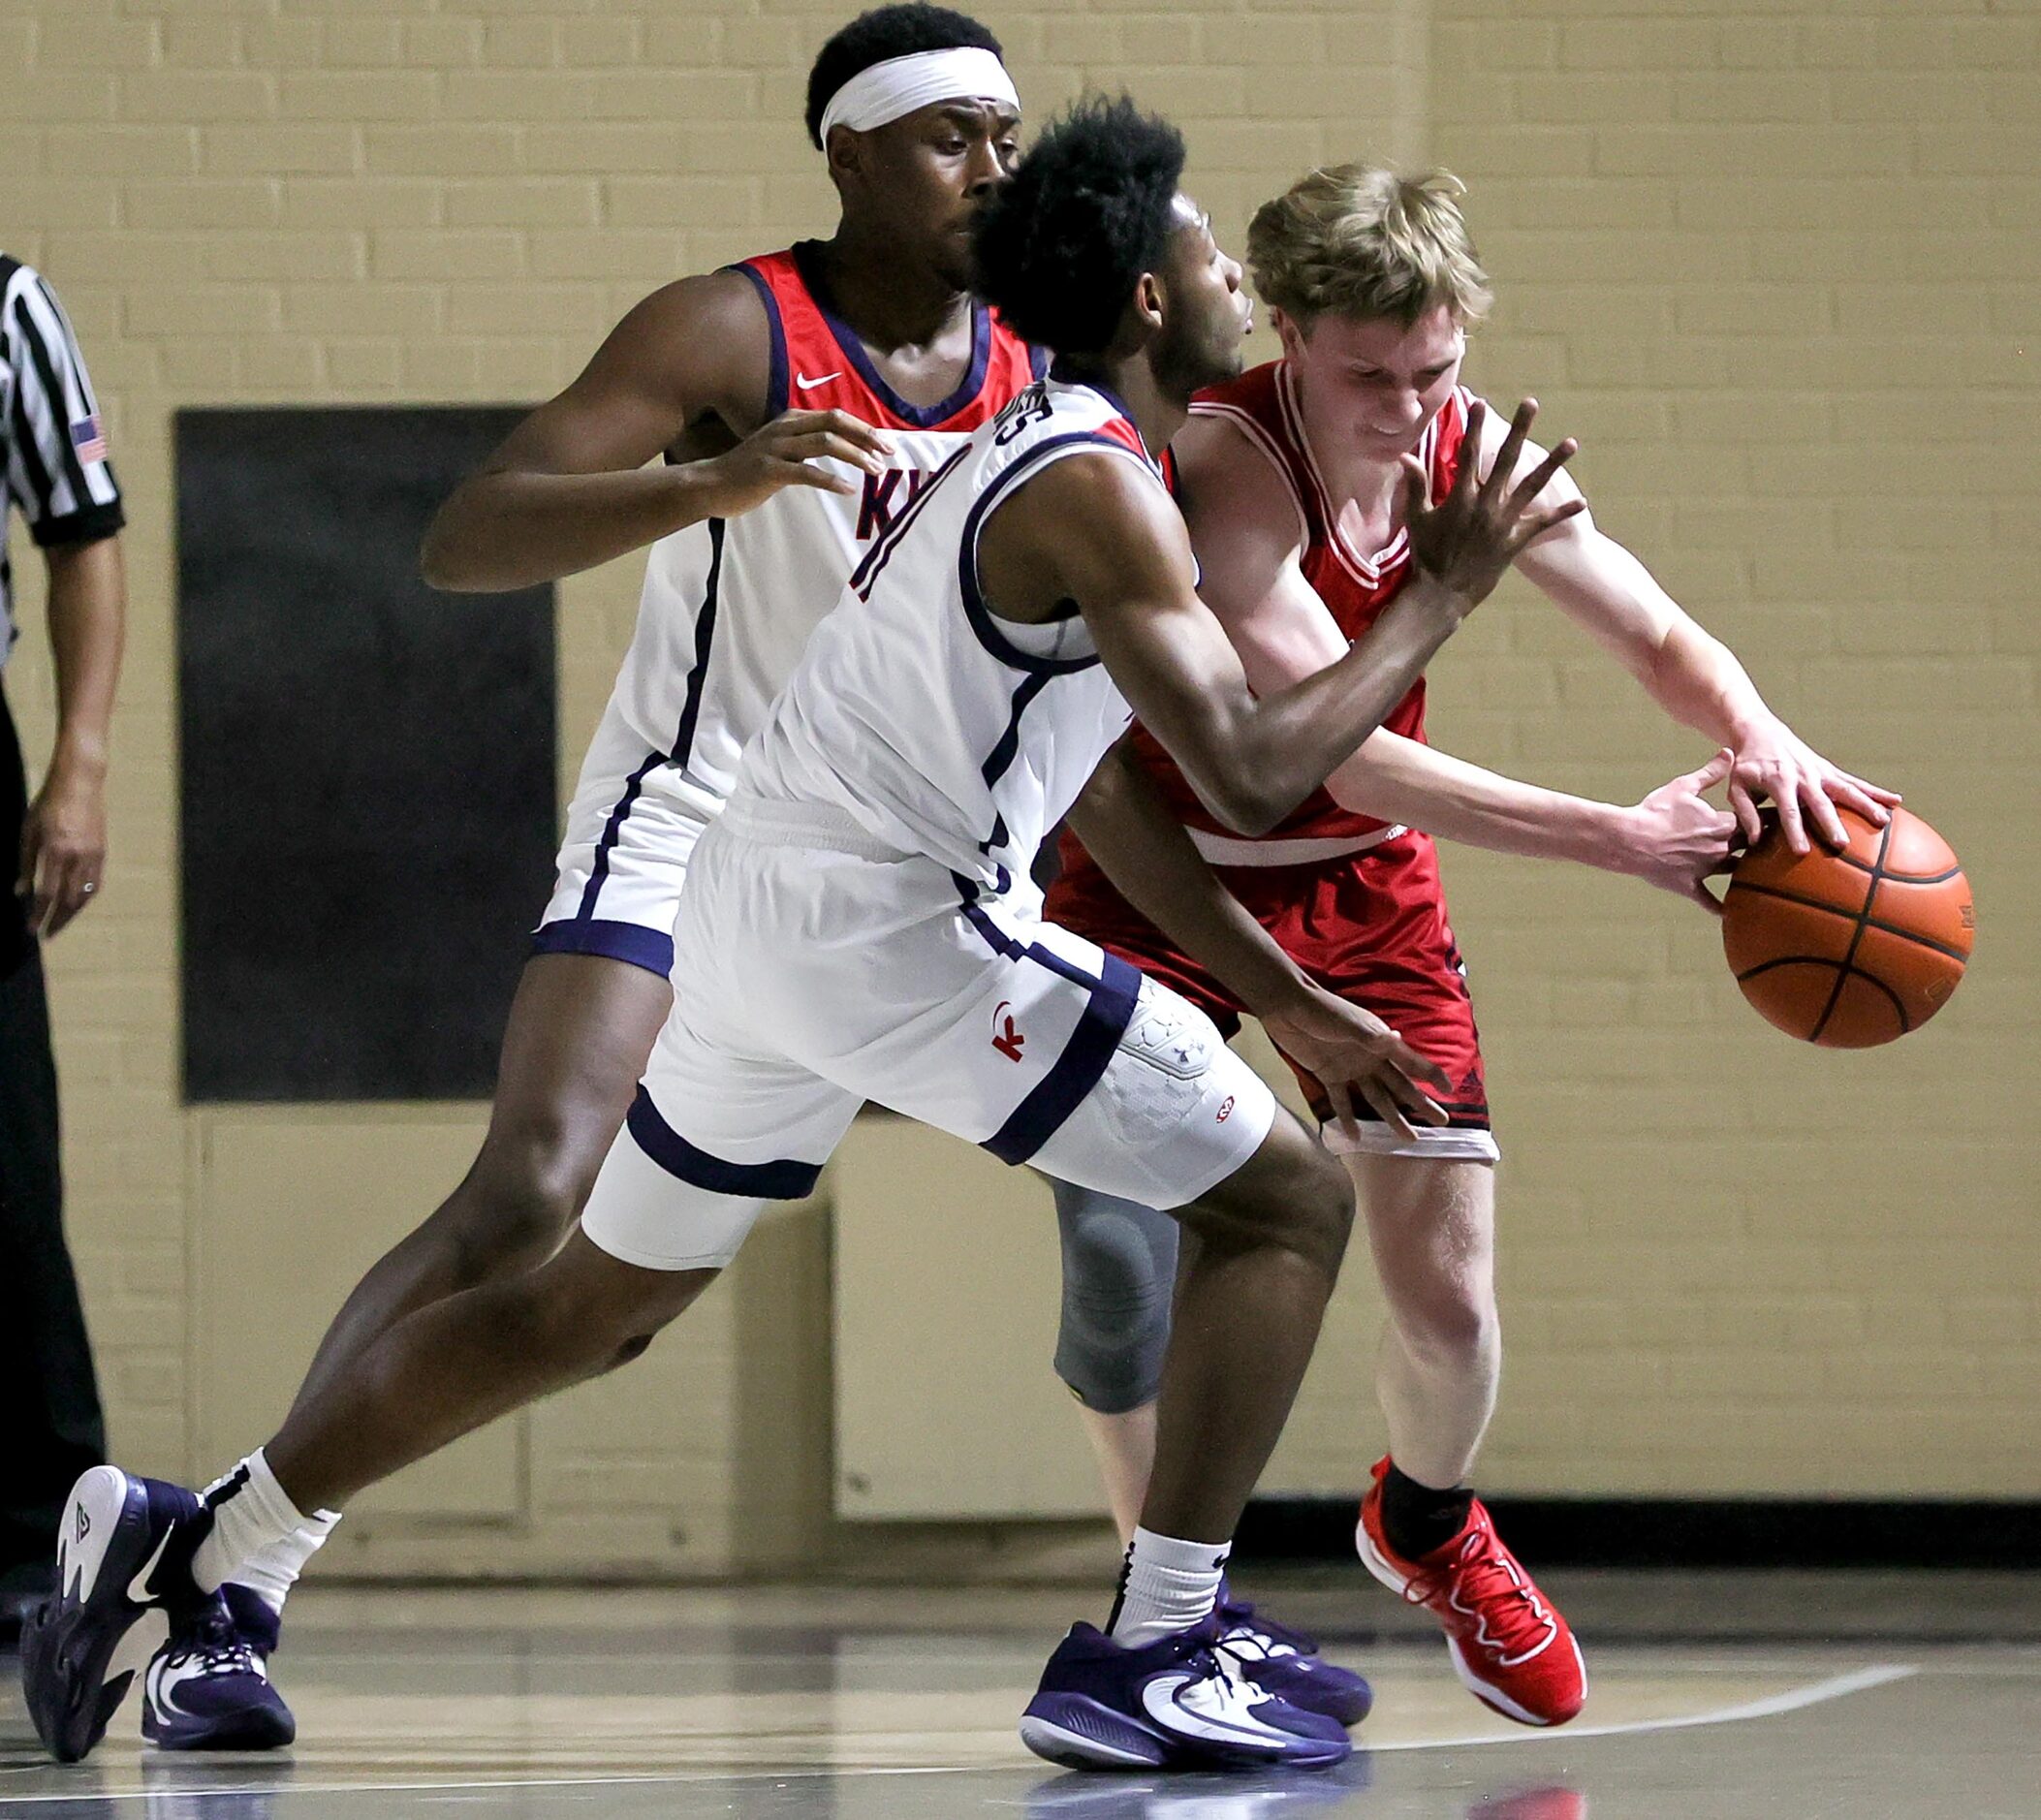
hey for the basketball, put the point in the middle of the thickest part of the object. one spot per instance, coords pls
(1849, 949)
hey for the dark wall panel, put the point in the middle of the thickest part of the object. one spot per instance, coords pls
(367, 766)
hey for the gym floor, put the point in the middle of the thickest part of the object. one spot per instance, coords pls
(1733, 1695)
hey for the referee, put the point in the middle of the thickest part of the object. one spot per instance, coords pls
(58, 475)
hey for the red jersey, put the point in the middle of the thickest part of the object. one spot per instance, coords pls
(1263, 405)
(820, 364)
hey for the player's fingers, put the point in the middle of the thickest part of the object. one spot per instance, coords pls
(1406, 1061)
(1745, 809)
(1342, 1099)
(1415, 1101)
(1850, 792)
(1787, 802)
(1705, 898)
(1815, 807)
(1540, 477)
(808, 474)
(1465, 480)
(1417, 489)
(1387, 1110)
(818, 443)
(866, 435)
(1702, 781)
(1499, 476)
(1535, 526)
(838, 423)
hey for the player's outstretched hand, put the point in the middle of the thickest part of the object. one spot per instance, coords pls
(1353, 1051)
(1466, 541)
(1775, 762)
(1677, 837)
(788, 451)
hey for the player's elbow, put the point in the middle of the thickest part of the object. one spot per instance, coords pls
(452, 566)
(1245, 805)
(439, 561)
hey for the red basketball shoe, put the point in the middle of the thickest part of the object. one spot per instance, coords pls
(1510, 1648)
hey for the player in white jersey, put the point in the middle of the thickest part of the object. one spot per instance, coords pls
(858, 924)
(758, 426)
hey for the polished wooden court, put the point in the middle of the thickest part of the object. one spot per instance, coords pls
(1733, 1696)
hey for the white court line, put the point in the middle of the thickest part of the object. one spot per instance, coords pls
(1835, 1687)
(1814, 1694)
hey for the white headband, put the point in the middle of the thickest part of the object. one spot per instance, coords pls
(892, 90)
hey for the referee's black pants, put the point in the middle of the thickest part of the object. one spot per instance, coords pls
(50, 1420)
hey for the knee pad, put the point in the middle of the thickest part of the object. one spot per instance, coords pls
(1119, 1272)
(641, 1215)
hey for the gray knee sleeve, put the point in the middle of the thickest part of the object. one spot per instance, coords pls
(1119, 1272)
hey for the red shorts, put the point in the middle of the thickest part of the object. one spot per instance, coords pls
(1370, 926)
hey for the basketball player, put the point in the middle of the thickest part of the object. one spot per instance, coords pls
(858, 924)
(1292, 479)
(760, 427)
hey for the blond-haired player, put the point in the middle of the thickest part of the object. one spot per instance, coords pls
(1296, 480)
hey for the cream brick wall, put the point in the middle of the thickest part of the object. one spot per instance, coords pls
(1773, 263)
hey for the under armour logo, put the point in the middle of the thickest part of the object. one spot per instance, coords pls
(1008, 1041)
(1226, 1108)
(84, 1523)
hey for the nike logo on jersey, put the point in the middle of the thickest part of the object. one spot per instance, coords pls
(808, 385)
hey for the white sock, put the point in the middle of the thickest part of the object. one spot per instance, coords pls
(1166, 1585)
(273, 1570)
(250, 1514)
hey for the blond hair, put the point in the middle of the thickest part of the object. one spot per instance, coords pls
(1360, 241)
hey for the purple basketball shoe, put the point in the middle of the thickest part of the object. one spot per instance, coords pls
(1176, 1704)
(207, 1688)
(1286, 1663)
(124, 1545)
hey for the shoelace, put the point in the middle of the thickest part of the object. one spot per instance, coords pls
(1237, 1615)
(215, 1646)
(1515, 1615)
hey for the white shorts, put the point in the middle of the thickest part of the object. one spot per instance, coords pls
(631, 829)
(812, 979)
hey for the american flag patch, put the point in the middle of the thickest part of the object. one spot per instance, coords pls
(87, 439)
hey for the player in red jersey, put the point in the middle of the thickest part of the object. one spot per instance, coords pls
(1294, 480)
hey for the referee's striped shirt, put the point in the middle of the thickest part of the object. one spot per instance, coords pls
(57, 470)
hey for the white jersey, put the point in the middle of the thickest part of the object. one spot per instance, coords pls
(727, 606)
(858, 924)
(918, 717)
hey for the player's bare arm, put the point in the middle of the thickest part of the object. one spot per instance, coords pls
(1248, 541)
(1093, 530)
(1694, 676)
(683, 377)
(1127, 828)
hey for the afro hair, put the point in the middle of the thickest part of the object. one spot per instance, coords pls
(1061, 245)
